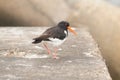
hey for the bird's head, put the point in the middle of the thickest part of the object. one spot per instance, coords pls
(66, 26)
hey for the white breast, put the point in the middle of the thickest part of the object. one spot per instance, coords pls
(65, 32)
(55, 41)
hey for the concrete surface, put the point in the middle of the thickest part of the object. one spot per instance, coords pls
(80, 58)
(99, 17)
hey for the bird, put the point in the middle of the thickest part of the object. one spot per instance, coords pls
(54, 36)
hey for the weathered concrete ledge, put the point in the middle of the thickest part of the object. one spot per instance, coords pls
(80, 58)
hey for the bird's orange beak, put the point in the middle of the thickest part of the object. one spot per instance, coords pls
(71, 30)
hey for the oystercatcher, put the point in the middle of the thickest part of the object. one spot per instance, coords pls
(55, 36)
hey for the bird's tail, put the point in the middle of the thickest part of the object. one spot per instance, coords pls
(37, 40)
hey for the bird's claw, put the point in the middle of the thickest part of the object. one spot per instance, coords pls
(54, 56)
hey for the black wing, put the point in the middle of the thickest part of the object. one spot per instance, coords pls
(55, 32)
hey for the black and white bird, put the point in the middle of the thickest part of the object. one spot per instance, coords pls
(55, 35)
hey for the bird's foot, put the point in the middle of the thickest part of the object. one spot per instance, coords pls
(49, 52)
(55, 56)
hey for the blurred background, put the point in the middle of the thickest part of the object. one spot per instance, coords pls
(102, 17)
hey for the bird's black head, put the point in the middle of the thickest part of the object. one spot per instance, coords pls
(64, 25)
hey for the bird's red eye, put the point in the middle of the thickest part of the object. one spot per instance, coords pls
(66, 24)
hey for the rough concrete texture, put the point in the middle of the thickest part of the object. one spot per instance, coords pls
(99, 17)
(80, 58)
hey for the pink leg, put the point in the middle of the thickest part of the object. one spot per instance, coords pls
(48, 50)
(55, 52)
